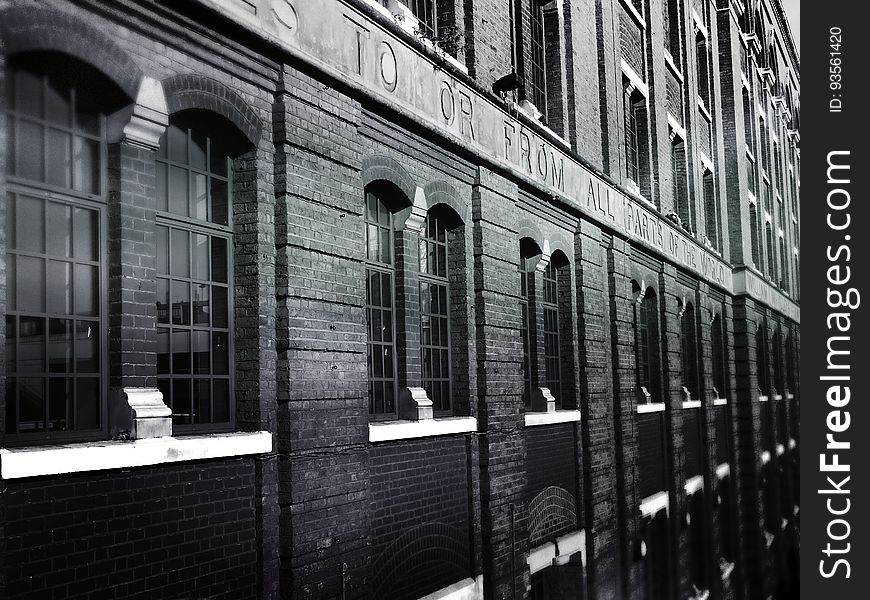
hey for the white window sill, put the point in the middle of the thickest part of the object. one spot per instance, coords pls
(404, 430)
(16, 463)
(723, 471)
(650, 407)
(691, 404)
(720, 401)
(549, 418)
(693, 484)
(765, 457)
(467, 589)
(650, 505)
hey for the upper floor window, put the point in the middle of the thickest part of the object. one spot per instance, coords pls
(552, 354)
(673, 25)
(425, 12)
(538, 66)
(435, 312)
(380, 313)
(55, 269)
(194, 273)
(647, 342)
(718, 348)
(761, 358)
(689, 347)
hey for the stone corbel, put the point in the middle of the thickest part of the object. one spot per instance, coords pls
(685, 394)
(544, 262)
(414, 404)
(140, 413)
(643, 395)
(681, 302)
(642, 293)
(416, 214)
(150, 116)
(543, 400)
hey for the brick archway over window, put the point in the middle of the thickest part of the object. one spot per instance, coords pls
(30, 29)
(189, 91)
(441, 192)
(383, 168)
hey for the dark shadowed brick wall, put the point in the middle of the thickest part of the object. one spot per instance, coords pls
(176, 531)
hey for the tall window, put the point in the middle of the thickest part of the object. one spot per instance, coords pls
(672, 17)
(681, 184)
(55, 319)
(704, 82)
(755, 235)
(525, 332)
(435, 313)
(771, 253)
(550, 305)
(713, 211)
(632, 140)
(380, 282)
(688, 339)
(646, 331)
(761, 360)
(538, 66)
(717, 341)
(425, 12)
(194, 281)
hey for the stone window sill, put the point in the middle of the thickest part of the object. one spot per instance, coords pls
(467, 589)
(549, 418)
(17, 463)
(723, 471)
(387, 431)
(651, 505)
(694, 484)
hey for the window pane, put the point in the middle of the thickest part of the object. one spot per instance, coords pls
(87, 347)
(181, 352)
(177, 144)
(199, 194)
(59, 229)
(219, 259)
(31, 283)
(60, 289)
(218, 158)
(200, 304)
(59, 158)
(162, 248)
(31, 403)
(59, 396)
(221, 400)
(87, 403)
(219, 202)
(31, 224)
(10, 221)
(180, 303)
(60, 350)
(220, 310)
(11, 405)
(198, 147)
(162, 350)
(86, 234)
(10, 145)
(200, 256)
(87, 118)
(162, 300)
(28, 93)
(201, 353)
(202, 400)
(181, 405)
(11, 335)
(178, 191)
(87, 165)
(180, 251)
(11, 282)
(220, 354)
(86, 290)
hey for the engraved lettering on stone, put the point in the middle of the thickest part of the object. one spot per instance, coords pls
(286, 15)
(389, 67)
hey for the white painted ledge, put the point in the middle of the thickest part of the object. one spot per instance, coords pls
(549, 418)
(387, 431)
(467, 589)
(693, 484)
(570, 544)
(765, 457)
(653, 504)
(723, 471)
(650, 407)
(720, 401)
(780, 449)
(762, 398)
(792, 444)
(16, 463)
(692, 404)
(541, 557)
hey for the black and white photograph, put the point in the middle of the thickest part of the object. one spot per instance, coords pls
(415, 300)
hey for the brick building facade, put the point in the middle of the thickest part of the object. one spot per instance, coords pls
(399, 299)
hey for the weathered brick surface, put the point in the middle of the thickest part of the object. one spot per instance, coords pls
(170, 532)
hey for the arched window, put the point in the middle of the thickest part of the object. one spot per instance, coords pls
(194, 272)
(435, 312)
(646, 335)
(689, 347)
(761, 363)
(778, 365)
(56, 175)
(717, 341)
(528, 251)
(380, 302)
(550, 307)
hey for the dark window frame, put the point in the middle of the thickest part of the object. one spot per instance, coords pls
(441, 281)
